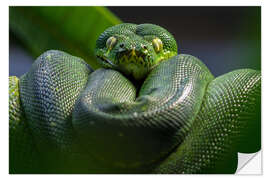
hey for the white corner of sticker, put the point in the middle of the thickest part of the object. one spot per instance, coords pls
(249, 163)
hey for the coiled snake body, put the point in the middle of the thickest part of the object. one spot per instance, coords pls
(67, 118)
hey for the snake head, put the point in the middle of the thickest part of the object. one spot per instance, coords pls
(134, 49)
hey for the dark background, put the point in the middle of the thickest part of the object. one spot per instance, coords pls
(224, 38)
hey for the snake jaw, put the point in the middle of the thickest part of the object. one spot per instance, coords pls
(127, 65)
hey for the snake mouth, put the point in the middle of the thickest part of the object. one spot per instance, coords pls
(106, 61)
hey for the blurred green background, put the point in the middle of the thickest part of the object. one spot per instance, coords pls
(224, 38)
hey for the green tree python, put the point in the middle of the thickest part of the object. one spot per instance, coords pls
(148, 110)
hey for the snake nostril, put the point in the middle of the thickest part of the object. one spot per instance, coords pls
(122, 45)
(144, 46)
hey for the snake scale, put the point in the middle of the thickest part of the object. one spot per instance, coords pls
(148, 110)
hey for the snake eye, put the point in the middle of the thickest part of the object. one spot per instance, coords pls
(157, 44)
(110, 43)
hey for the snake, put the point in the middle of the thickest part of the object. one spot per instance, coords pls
(147, 109)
